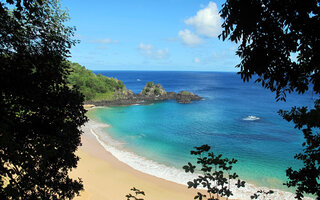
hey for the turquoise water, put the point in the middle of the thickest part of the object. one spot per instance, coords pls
(166, 132)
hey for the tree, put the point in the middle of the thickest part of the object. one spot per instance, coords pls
(271, 33)
(216, 174)
(40, 115)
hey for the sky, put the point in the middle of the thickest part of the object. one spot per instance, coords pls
(178, 35)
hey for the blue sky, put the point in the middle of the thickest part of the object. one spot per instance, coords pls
(150, 35)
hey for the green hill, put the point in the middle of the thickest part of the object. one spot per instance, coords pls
(95, 87)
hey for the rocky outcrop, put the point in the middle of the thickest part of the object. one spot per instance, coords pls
(153, 90)
(186, 97)
(150, 93)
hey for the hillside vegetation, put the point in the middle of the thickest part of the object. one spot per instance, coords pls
(102, 90)
(152, 89)
(95, 87)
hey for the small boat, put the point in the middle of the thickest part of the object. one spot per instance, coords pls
(251, 118)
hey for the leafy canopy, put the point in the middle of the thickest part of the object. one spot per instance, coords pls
(40, 115)
(271, 33)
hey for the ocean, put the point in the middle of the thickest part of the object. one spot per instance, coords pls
(237, 119)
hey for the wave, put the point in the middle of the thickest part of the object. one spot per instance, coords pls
(138, 79)
(251, 118)
(170, 173)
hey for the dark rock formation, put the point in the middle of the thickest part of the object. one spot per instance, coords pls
(151, 93)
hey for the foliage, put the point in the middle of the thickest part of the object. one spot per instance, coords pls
(150, 84)
(158, 85)
(40, 115)
(147, 90)
(261, 193)
(94, 87)
(135, 196)
(306, 179)
(157, 91)
(271, 34)
(216, 174)
(186, 93)
(153, 89)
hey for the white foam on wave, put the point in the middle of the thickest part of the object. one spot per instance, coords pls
(147, 166)
(170, 173)
(251, 118)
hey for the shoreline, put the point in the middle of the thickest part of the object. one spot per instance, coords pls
(105, 177)
(243, 193)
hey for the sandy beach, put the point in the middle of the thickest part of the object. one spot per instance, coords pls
(105, 177)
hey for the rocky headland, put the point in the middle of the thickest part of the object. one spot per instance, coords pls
(151, 93)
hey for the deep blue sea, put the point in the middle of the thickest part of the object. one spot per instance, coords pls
(237, 119)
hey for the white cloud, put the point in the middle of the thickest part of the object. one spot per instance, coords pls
(149, 51)
(207, 22)
(146, 48)
(189, 38)
(196, 60)
(105, 41)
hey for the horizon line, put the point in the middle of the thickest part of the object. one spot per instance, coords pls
(161, 70)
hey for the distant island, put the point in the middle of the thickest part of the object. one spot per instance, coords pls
(100, 90)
